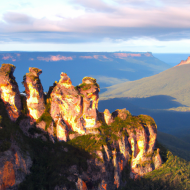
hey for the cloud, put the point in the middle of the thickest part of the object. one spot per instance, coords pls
(109, 80)
(124, 55)
(54, 58)
(95, 21)
(17, 18)
(8, 56)
(100, 57)
(86, 57)
(97, 5)
(94, 57)
(124, 23)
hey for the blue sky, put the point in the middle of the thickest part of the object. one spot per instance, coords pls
(158, 26)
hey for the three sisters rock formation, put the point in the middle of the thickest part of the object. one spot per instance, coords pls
(73, 111)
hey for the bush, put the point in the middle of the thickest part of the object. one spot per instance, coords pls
(46, 115)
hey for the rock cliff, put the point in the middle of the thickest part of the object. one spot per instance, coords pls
(34, 93)
(184, 62)
(9, 91)
(74, 108)
(116, 145)
(14, 166)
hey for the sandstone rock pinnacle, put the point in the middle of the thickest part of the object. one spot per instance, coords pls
(66, 105)
(9, 91)
(34, 93)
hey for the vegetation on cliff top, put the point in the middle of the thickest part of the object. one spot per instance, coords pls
(109, 134)
(6, 68)
(46, 115)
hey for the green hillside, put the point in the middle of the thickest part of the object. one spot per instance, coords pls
(172, 83)
(176, 145)
(174, 174)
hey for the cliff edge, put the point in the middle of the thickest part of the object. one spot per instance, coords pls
(69, 115)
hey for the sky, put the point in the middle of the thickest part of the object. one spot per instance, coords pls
(158, 26)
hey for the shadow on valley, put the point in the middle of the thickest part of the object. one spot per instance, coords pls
(172, 122)
(156, 102)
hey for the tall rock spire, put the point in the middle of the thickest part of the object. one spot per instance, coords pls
(34, 93)
(9, 91)
(66, 106)
(89, 90)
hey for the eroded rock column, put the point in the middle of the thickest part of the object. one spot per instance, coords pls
(34, 93)
(89, 90)
(66, 106)
(9, 91)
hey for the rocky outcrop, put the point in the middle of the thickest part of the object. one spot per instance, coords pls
(74, 108)
(14, 166)
(66, 108)
(117, 142)
(129, 150)
(89, 90)
(135, 147)
(9, 91)
(34, 93)
(184, 62)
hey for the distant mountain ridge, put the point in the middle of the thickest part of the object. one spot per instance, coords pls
(172, 83)
(108, 68)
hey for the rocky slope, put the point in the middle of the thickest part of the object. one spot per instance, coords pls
(112, 143)
(14, 166)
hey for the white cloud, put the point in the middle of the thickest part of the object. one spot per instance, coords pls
(117, 24)
(136, 45)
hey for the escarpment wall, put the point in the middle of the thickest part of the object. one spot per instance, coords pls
(121, 140)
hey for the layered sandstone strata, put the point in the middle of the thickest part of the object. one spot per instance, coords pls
(9, 91)
(34, 93)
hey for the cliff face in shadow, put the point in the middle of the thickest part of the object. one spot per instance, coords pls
(168, 121)
(69, 115)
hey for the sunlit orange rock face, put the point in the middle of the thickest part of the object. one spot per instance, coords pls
(9, 91)
(66, 108)
(34, 93)
(13, 167)
(89, 90)
(184, 62)
(131, 141)
(137, 143)
(74, 108)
